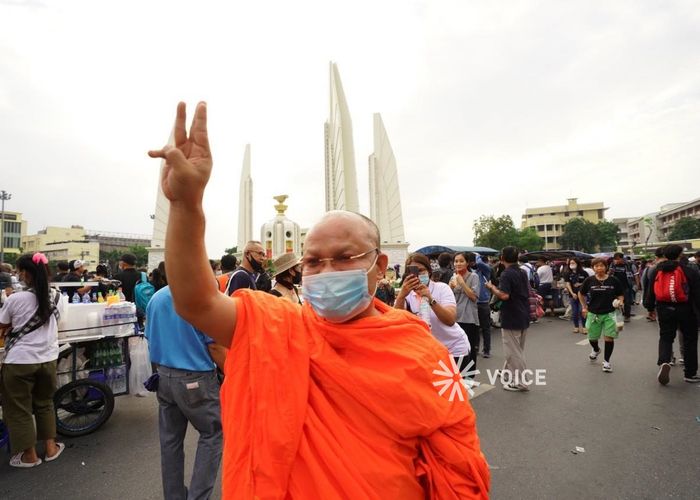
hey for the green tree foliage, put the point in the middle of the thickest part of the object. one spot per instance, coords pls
(608, 235)
(493, 232)
(141, 254)
(529, 240)
(687, 228)
(581, 234)
(499, 232)
(231, 251)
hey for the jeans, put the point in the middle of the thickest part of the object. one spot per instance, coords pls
(485, 324)
(671, 318)
(576, 313)
(192, 397)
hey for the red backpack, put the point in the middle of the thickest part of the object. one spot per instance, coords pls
(671, 286)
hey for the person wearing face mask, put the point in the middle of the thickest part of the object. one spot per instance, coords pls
(302, 383)
(465, 286)
(287, 277)
(574, 279)
(442, 317)
(251, 265)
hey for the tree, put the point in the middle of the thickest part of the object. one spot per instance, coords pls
(687, 228)
(231, 251)
(493, 232)
(608, 235)
(529, 240)
(499, 232)
(141, 254)
(579, 234)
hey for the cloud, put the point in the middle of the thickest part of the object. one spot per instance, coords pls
(490, 107)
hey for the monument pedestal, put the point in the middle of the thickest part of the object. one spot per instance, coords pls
(397, 253)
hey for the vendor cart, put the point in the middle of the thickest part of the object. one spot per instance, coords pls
(93, 365)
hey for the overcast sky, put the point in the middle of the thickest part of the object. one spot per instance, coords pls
(491, 107)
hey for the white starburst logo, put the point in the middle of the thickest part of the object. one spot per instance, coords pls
(456, 381)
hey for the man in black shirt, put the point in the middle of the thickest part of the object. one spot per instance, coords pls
(675, 312)
(63, 269)
(621, 269)
(128, 275)
(251, 265)
(513, 291)
(75, 275)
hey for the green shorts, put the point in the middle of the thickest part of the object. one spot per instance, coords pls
(601, 323)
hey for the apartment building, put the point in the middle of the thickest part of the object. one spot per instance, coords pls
(549, 221)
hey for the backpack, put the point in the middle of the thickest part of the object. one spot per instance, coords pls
(671, 286)
(143, 291)
(534, 277)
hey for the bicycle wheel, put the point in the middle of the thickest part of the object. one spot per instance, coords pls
(82, 406)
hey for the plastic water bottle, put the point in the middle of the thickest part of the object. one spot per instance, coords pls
(86, 298)
(76, 298)
(122, 298)
(425, 310)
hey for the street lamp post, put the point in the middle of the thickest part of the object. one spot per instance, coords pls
(4, 196)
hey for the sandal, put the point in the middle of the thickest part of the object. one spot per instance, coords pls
(16, 461)
(575, 330)
(60, 447)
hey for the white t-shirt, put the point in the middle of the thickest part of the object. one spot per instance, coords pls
(39, 346)
(452, 337)
(545, 274)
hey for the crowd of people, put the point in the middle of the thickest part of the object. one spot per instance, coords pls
(316, 380)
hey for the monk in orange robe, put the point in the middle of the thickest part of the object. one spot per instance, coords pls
(337, 399)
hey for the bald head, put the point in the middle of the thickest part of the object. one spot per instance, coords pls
(252, 246)
(357, 225)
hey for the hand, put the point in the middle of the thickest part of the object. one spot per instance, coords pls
(188, 163)
(424, 291)
(584, 312)
(410, 282)
(459, 280)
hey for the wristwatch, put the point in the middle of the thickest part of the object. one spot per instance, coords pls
(433, 302)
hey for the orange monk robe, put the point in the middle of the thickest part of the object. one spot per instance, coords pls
(312, 409)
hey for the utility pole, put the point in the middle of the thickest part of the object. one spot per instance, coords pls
(4, 196)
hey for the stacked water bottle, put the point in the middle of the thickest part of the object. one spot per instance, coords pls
(107, 355)
(119, 318)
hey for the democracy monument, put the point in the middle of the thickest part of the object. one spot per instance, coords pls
(281, 235)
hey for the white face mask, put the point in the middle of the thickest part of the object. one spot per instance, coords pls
(338, 296)
(573, 266)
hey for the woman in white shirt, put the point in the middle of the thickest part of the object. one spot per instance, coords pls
(29, 325)
(440, 307)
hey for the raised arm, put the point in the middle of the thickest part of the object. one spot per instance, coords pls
(187, 169)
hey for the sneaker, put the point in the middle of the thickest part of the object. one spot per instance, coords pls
(692, 380)
(681, 361)
(663, 375)
(486, 355)
(607, 367)
(575, 330)
(673, 361)
(627, 319)
(565, 318)
(512, 388)
(594, 354)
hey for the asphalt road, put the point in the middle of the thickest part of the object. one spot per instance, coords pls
(641, 440)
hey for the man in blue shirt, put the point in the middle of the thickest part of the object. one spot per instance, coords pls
(188, 391)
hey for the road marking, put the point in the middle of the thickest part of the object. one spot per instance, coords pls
(583, 342)
(482, 389)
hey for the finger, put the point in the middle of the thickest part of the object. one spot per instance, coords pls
(156, 153)
(180, 130)
(198, 130)
(175, 157)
